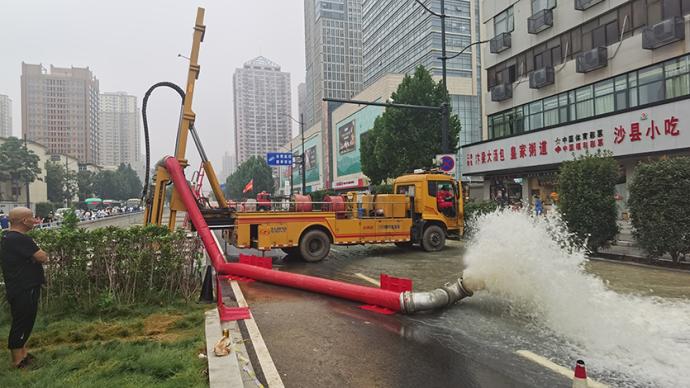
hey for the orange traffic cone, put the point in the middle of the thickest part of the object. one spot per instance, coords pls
(580, 378)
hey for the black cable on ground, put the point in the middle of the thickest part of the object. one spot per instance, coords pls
(146, 130)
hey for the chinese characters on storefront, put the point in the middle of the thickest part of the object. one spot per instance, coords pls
(655, 129)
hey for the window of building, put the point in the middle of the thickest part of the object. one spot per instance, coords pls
(603, 97)
(503, 22)
(677, 78)
(651, 84)
(667, 80)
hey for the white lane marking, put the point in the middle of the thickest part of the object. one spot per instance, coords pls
(368, 279)
(556, 368)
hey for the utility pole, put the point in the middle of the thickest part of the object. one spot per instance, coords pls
(28, 194)
(304, 178)
(445, 112)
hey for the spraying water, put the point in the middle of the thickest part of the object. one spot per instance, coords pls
(530, 263)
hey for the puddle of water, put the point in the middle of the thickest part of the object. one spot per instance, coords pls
(632, 339)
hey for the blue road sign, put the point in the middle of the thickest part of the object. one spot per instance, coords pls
(279, 159)
(447, 163)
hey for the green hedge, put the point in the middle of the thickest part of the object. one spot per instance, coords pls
(474, 209)
(586, 193)
(100, 267)
(660, 207)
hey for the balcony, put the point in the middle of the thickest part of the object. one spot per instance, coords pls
(540, 21)
(500, 43)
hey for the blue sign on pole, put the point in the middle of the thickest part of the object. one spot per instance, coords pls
(279, 159)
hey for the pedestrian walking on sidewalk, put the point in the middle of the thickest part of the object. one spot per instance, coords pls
(22, 268)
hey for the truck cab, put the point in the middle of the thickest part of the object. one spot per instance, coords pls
(436, 208)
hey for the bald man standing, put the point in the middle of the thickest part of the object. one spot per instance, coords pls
(22, 267)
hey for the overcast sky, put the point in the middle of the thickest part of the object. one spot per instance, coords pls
(130, 45)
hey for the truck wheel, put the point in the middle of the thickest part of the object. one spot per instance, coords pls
(314, 246)
(434, 238)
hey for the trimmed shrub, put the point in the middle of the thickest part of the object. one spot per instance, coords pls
(586, 192)
(474, 209)
(660, 207)
(89, 269)
(43, 209)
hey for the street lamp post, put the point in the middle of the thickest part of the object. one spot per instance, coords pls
(302, 167)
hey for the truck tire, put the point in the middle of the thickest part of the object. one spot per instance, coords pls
(433, 239)
(314, 246)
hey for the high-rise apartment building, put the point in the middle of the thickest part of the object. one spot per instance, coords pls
(60, 110)
(229, 166)
(5, 116)
(398, 36)
(568, 78)
(262, 108)
(301, 99)
(120, 137)
(333, 50)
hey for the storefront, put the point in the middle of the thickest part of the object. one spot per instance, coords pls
(524, 167)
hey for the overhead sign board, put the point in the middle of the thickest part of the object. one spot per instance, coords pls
(279, 159)
(655, 129)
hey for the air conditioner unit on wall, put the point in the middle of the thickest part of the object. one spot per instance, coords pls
(500, 42)
(541, 77)
(540, 21)
(665, 32)
(591, 60)
(582, 5)
(502, 92)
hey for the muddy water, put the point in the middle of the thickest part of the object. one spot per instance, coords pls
(626, 278)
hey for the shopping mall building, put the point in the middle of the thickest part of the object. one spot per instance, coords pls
(564, 78)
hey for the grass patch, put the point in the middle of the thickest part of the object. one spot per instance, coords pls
(131, 346)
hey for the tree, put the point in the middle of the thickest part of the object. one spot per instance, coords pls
(586, 188)
(86, 183)
(120, 184)
(405, 139)
(660, 207)
(61, 183)
(254, 168)
(18, 165)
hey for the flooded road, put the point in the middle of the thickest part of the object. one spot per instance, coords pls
(318, 340)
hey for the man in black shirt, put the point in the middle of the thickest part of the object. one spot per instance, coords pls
(22, 267)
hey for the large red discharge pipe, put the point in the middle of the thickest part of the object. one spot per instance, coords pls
(368, 295)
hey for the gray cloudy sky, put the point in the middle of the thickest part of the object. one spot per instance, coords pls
(130, 45)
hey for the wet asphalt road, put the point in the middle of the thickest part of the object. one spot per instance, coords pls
(318, 341)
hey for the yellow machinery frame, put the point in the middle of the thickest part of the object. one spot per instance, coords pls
(154, 212)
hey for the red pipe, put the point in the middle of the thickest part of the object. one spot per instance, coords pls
(369, 295)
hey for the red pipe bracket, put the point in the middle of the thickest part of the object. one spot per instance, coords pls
(392, 283)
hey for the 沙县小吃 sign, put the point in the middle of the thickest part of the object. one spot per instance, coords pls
(279, 159)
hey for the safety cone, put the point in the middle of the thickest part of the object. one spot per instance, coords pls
(580, 378)
(207, 287)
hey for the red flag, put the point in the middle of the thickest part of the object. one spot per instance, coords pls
(249, 186)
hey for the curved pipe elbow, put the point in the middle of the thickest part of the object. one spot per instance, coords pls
(449, 294)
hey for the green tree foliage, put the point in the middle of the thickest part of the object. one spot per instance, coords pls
(586, 191)
(473, 210)
(43, 209)
(62, 184)
(660, 207)
(18, 165)
(254, 168)
(120, 184)
(85, 184)
(405, 139)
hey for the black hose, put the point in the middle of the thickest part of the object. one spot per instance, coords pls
(146, 130)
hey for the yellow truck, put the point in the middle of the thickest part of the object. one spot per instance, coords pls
(425, 209)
